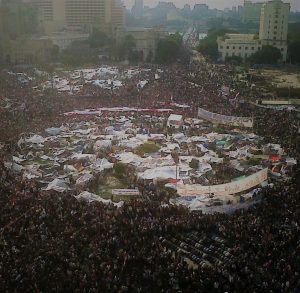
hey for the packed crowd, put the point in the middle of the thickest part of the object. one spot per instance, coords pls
(52, 242)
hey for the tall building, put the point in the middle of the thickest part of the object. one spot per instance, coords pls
(273, 31)
(274, 24)
(57, 15)
(251, 11)
(137, 9)
(200, 9)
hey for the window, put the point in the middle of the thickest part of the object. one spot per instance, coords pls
(221, 47)
(275, 27)
(274, 38)
(227, 47)
(246, 48)
(246, 55)
(282, 49)
(274, 44)
(240, 48)
(233, 47)
(252, 48)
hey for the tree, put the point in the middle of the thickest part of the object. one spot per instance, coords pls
(294, 42)
(234, 60)
(209, 46)
(267, 55)
(168, 48)
(98, 39)
(124, 50)
(79, 53)
(294, 49)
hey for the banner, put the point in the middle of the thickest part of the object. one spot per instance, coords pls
(224, 189)
(223, 119)
(125, 192)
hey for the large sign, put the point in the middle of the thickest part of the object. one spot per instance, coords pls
(224, 189)
(223, 119)
(125, 192)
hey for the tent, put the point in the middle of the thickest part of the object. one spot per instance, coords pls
(175, 120)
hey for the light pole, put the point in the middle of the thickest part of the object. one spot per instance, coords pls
(175, 157)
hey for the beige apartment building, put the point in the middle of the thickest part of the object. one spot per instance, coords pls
(274, 25)
(79, 15)
(273, 31)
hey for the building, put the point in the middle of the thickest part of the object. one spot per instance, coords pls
(83, 15)
(174, 15)
(201, 8)
(240, 45)
(251, 11)
(146, 40)
(274, 25)
(273, 31)
(29, 51)
(137, 9)
(65, 38)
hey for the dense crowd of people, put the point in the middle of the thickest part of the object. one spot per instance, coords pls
(52, 242)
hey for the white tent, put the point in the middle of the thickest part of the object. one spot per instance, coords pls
(175, 120)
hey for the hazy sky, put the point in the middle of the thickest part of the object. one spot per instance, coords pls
(220, 4)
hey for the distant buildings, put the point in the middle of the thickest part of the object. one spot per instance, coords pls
(251, 11)
(145, 39)
(241, 45)
(273, 31)
(80, 15)
(137, 9)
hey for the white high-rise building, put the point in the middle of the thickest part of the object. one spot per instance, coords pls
(273, 31)
(274, 25)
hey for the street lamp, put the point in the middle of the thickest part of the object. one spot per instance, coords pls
(175, 157)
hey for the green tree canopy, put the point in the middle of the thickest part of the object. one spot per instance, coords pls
(98, 39)
(267, 55)
(294, 42)
(294, 49)
(168, 48)
(209, 46)
(124, 49)
(79, 53)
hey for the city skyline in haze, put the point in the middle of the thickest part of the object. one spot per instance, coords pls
(219, 4)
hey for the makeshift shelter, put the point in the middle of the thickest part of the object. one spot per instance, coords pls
(175, 120)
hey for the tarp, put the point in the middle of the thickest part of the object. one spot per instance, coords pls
(102, 145)
(53, 130)
(223, 119)
(224, 189)
(84, 179)
(36, 139)
(57, 185)
(90, 197)
(125, 192)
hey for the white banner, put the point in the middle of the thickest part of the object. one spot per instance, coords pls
(223, 119)
(125, 192)
(224, 189)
